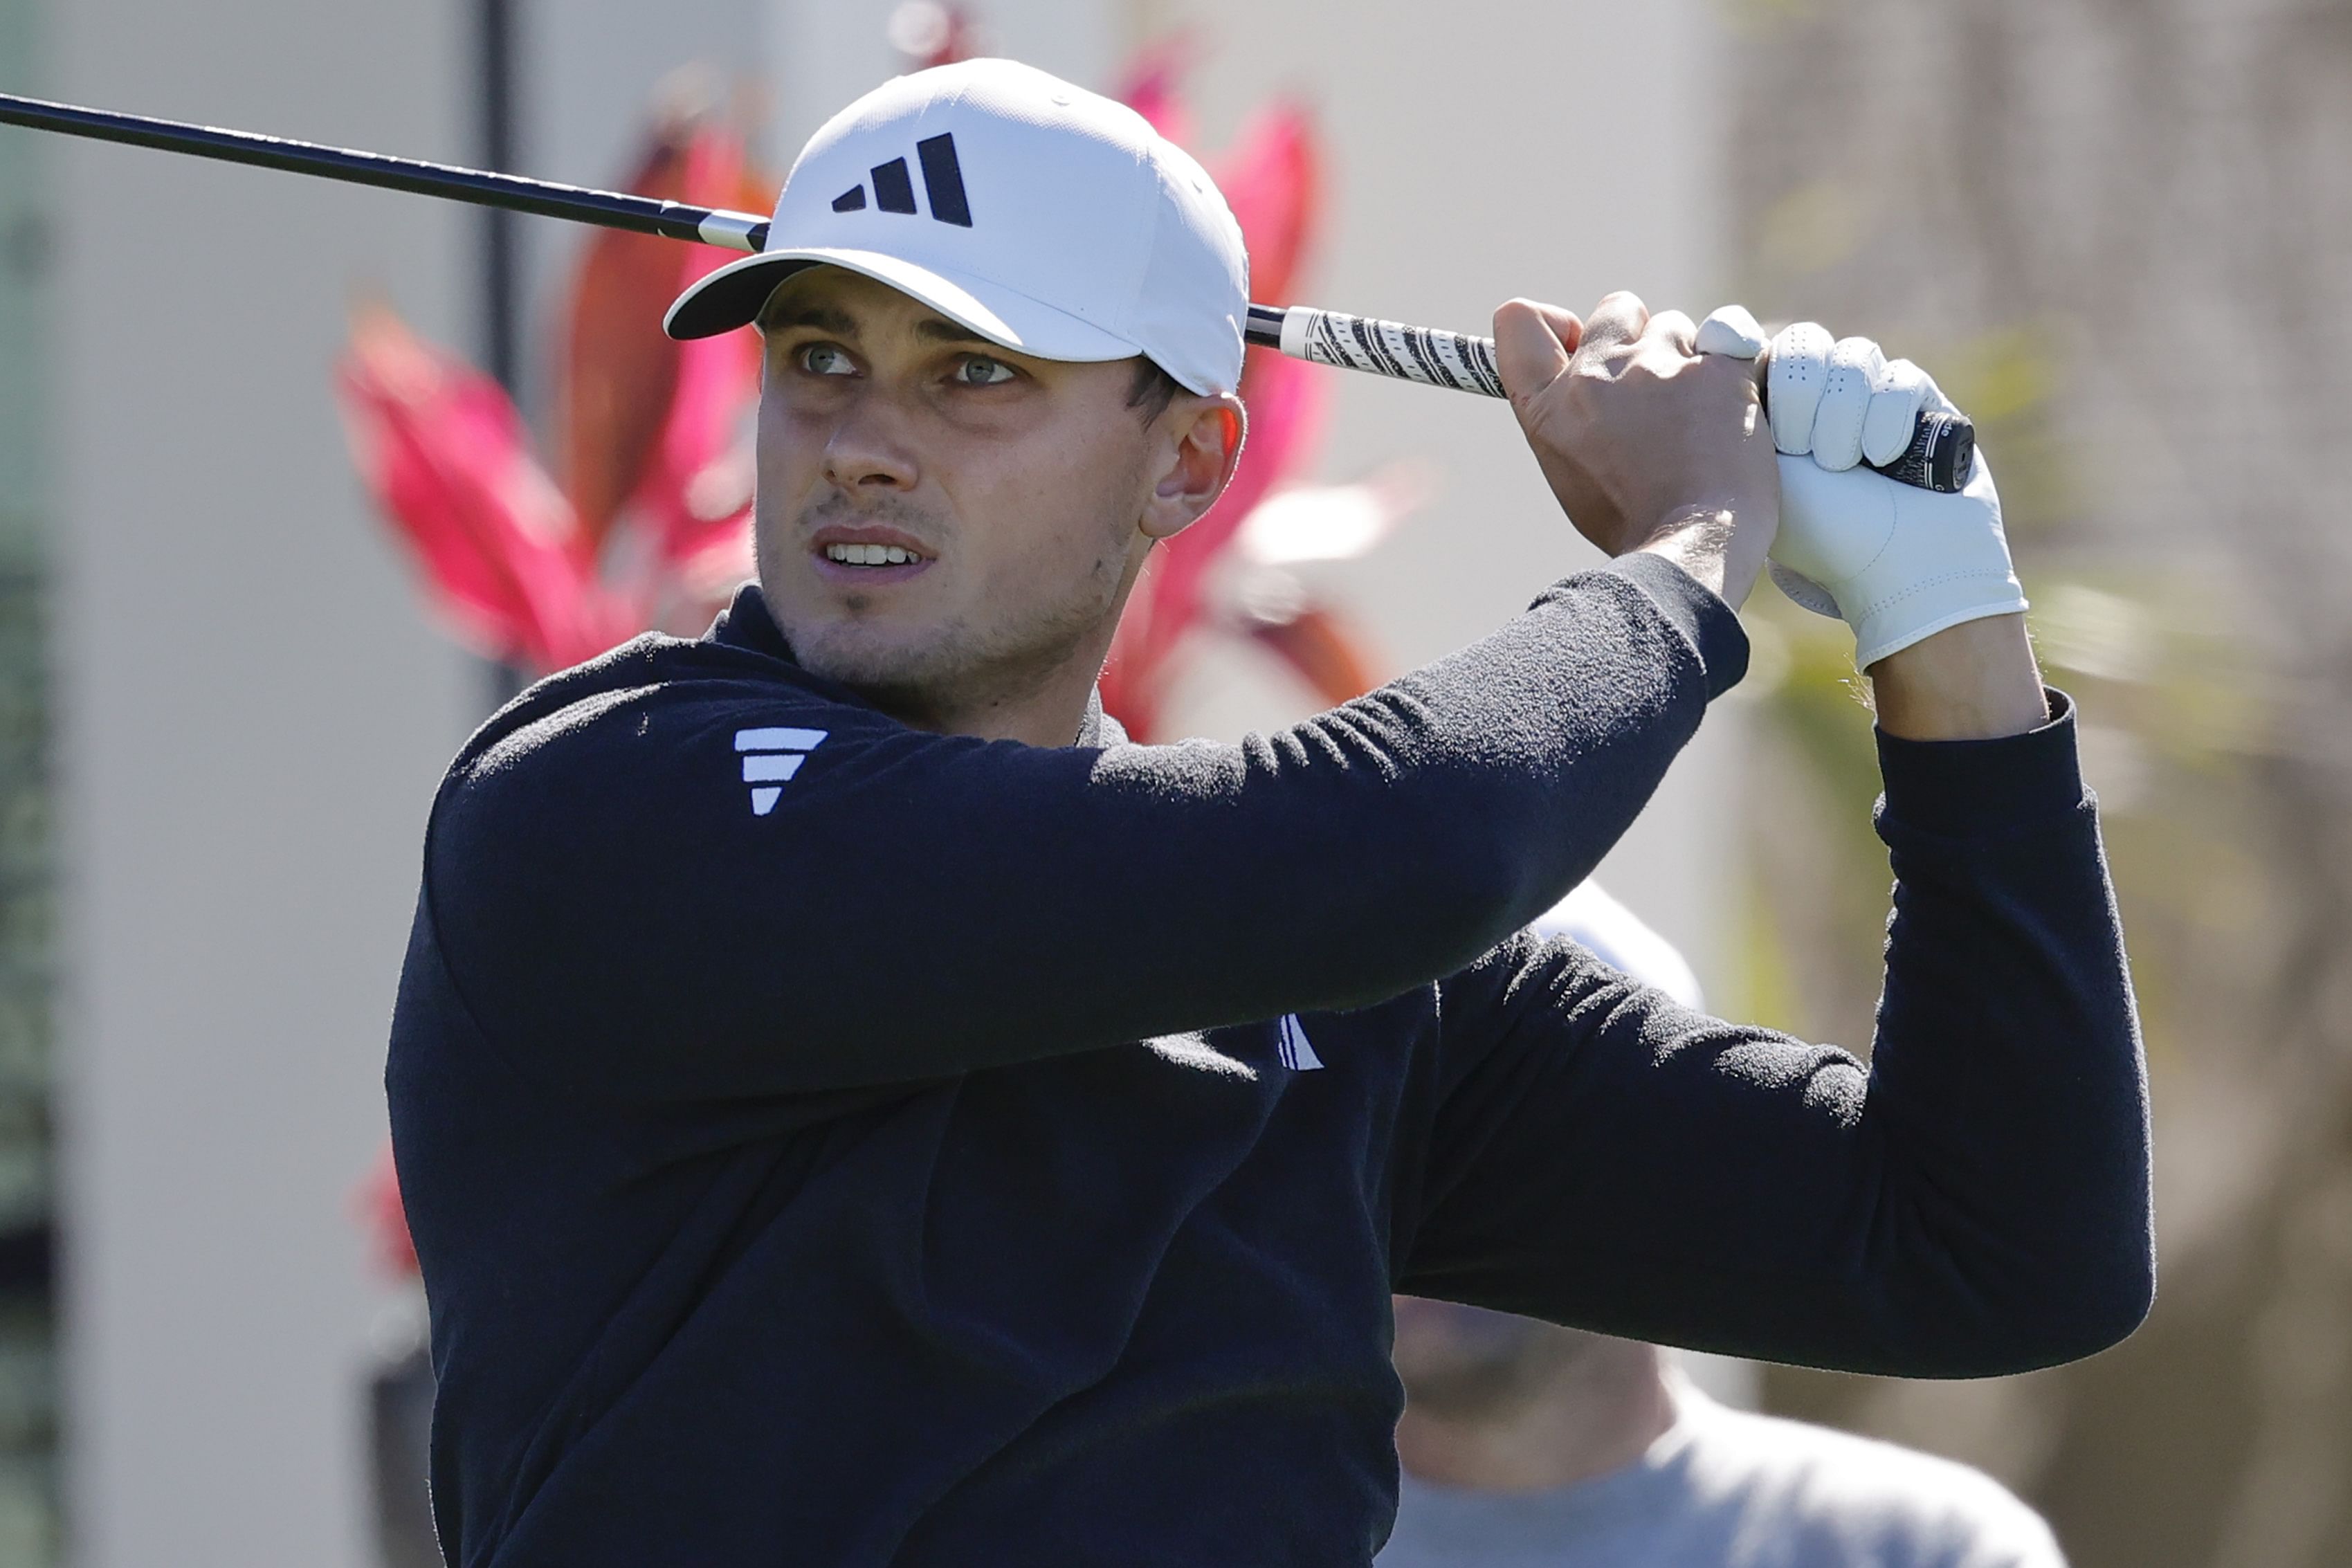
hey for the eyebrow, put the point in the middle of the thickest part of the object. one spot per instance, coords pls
(833, 319)
(824, 317)
(939, 329)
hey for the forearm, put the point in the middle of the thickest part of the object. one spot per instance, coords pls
(2008, 1084)
(1975, 1202)
(1974, 681)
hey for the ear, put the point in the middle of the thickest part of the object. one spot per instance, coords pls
(1195, 450)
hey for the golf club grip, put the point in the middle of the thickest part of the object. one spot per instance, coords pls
(1426, 354)
(1939, 458)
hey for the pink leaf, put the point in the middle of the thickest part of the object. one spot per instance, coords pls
(696, 491)
(1273, 179)
(1150, 86)
(440, 447)
(1286, 400)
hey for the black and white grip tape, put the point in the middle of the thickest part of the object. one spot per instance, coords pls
(1426, 354)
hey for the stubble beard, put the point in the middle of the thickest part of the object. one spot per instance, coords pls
(929, 675)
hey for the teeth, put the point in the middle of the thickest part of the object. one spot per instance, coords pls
(870, 554)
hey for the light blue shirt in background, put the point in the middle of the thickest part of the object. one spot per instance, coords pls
(1727, 1488)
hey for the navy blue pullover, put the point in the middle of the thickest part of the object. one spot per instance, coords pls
(829, 1142)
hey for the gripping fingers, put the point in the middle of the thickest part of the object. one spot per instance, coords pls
(1855, 368)
(1674, 328)
(1532, 345)
(1732, 333)
(1801, 356)
(1903, 390)
(1616, 323)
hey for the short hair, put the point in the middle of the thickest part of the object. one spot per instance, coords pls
(1153, 389)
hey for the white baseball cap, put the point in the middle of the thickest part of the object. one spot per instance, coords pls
(1042, 217)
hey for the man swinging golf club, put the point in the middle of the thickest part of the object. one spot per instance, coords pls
(855, 1108)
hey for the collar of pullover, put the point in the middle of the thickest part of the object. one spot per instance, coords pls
(746, 624)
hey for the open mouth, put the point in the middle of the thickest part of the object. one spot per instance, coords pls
(871, 556)
(866, 552)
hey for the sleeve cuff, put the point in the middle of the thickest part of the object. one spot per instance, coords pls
(1711, 625)
(1958, 789)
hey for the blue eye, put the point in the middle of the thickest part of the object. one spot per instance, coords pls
(826, 359)
(976, 371)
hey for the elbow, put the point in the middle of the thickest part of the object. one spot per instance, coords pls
(2078, 1307)
(1496, 871)
(2104, 1305)
(2096, 1278)
(1995, 1309)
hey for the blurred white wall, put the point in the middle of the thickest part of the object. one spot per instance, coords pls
(823, 53)
(588, 69)
(254, 718)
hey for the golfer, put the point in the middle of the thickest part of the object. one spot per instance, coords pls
(854, 1107)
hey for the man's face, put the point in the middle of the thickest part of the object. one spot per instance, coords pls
(941, 521)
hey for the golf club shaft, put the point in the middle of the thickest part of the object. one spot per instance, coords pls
(610, 209)
(1938, 457)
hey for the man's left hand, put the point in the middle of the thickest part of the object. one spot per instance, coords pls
(1898, 563)
(1906, 568)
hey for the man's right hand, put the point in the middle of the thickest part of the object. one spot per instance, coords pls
(1648, 444)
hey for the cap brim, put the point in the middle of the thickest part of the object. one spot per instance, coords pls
(734, 295)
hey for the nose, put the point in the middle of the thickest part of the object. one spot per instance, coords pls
(867, 453)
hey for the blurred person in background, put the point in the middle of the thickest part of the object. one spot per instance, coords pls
(1526, 1445)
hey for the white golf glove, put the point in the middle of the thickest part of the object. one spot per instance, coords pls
(1897, 562)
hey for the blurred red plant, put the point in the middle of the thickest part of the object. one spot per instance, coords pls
(377, 1205)
(650, 524)
(1220, 574)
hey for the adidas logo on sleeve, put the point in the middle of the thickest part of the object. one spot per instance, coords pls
(771, 757)
(1291, 1044)
(894, 187)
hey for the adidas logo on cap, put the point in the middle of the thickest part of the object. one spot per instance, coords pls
(894, 191)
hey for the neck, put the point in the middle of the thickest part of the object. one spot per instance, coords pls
(1050, 714)
(1040, 706)
(1598, 1412)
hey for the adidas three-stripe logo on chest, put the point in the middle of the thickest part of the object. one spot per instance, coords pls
(771, 757)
